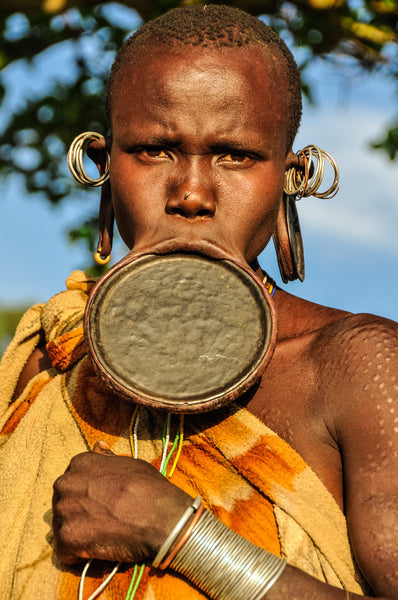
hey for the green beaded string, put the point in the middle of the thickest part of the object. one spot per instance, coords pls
(135, 581)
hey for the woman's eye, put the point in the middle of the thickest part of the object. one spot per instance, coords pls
(237, 158)
(155, 153)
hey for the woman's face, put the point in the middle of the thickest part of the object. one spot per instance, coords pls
(198, 151)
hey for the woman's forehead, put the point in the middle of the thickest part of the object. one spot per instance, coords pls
(196, 76)
(161, 58)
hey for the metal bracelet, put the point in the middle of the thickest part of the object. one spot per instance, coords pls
(165, 547)
(224, 564)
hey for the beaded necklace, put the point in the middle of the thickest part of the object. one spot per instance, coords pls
(269, 285)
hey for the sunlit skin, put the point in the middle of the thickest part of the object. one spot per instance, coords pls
(199, 130)
(213, 123)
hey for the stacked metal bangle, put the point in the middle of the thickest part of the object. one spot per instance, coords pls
(224, 564)
(165, 547)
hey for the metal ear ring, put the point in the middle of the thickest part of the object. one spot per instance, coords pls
(288, 241)
(75, 159)
(300, 182)
(307, 183)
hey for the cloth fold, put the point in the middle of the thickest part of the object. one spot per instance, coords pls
(247, 475)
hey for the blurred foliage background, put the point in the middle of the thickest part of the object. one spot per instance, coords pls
(38, 128)
(9, 318)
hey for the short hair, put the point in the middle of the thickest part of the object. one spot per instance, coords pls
(212, 26)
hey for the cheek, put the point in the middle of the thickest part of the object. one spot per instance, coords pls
(262, 195)
(125, 224)
(132, 202)
(262, 217)
(261, 235)
(124, 211)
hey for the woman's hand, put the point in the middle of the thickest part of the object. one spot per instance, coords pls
(113, 508)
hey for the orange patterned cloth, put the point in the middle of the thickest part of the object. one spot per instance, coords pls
(247, 476)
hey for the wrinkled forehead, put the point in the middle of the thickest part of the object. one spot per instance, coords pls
(254, 74)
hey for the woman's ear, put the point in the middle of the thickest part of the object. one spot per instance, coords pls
(292, 160)
(106, 219)
(108, 143)
(97, 151)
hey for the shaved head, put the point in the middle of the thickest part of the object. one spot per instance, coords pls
(215, 27)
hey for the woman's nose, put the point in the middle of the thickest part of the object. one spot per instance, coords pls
(191, 200)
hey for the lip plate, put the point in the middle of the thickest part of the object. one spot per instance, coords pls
(131, 387)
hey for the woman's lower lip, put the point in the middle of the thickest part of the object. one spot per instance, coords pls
(206, 247)
(214, 248)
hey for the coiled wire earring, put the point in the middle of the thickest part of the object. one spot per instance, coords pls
(307, 183)
(75, 159)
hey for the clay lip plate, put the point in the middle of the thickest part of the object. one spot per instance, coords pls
(181, 332)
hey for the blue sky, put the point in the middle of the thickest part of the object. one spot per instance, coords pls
(350, 241)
